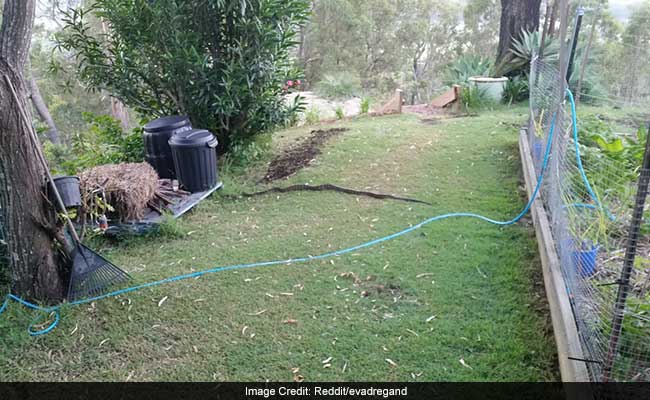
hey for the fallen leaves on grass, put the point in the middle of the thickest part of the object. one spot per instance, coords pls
(391, 362)
(103, 342)
(290, 321)
(464, 364)
(327, 360)
(243, 330)
(431, 318)
(424, 275)
(258, 313)
(160, 303)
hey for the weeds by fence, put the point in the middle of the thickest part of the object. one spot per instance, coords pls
(589, 200)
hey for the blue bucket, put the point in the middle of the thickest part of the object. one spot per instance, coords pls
(584, 259)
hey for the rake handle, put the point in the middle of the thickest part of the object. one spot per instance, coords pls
(41, 157)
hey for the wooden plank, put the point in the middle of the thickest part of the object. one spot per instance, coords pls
(445, 99)
(564, 326)
(153, 218)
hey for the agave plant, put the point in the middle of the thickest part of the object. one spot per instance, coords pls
(459, 72)
(524, 49)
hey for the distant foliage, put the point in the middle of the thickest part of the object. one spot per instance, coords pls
(312, 116)
(103, 142)
(339, 112)
(340, 85)
(223, 63)
(365, 105)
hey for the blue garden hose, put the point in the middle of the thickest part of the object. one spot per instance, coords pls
(46, 311)
(583, 175)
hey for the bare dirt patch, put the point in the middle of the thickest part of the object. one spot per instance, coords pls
(299, 156)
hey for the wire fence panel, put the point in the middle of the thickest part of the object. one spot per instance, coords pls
(589, 200)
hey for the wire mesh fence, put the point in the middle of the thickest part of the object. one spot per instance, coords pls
(589, 200)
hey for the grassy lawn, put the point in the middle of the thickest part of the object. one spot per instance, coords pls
(455, 290)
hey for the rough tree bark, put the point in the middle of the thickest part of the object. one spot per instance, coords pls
(26, 216)
(516, 15)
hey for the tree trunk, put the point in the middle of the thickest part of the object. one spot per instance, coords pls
(120, 113)
(43, 112)
(516, 15)
(552, 21)
(26, 217)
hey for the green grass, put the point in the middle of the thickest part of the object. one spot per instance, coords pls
(478, 280)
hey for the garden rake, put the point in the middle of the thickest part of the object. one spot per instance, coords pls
(91, 273)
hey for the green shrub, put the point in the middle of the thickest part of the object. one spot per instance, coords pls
(472, 97)
(312, 116)
(246, 152)
(365, 105)
(459, 72)
(515, 90)
(339, 112)
(103, 142)
(341, 85)
(223, 63)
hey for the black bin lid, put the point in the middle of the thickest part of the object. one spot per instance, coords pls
(167, 123)
(193, 138)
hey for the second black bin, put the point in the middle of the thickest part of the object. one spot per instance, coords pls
(156, 143)
(195, 159)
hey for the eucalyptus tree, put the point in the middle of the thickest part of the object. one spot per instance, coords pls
(31, 261)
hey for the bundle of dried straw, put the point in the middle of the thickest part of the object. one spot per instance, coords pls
(127, 187)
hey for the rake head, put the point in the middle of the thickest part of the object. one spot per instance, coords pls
(92, 274)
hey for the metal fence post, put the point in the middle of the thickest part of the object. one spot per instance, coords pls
(628, 262)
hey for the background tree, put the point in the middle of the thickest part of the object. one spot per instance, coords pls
(480, 28)
(516, 16)
(26, 216)
(427, 33)
(222, 63)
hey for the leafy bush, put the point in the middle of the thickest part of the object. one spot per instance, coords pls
(223, 63)
(102, 143)
(341, 85)
(339, 112)
(515, 90)
(472, 97)
(312, 116)
(620, 148)
(459, 72)
(365, 105)
(243, 153)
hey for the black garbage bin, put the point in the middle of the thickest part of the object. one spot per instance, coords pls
(68, 188)
(156, 143)
(195, 159)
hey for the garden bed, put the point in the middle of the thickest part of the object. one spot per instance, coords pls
(564, 326)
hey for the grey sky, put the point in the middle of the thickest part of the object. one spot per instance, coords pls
(621, 8)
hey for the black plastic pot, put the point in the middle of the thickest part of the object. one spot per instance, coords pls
(68, 188)
(156, 143)
(195, 159)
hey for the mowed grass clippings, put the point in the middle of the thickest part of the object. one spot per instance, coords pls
(453, 301)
